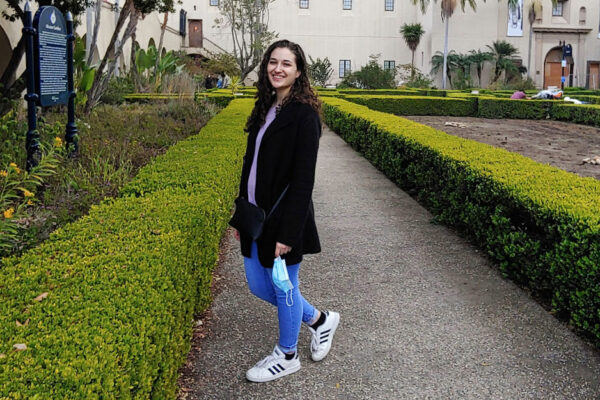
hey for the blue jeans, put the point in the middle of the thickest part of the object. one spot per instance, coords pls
(261, 285)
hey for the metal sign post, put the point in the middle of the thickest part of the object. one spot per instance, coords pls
(49, 41)
(32, 140)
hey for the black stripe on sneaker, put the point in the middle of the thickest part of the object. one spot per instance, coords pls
(324, 341)
(327, 331)
(271, 371)
(276, 369)
(279, 365)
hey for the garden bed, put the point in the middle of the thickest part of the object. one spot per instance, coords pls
(559, 144)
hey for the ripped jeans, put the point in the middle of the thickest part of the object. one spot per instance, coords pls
(261, 285)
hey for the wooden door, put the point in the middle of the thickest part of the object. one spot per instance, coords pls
(594, 76)
(195, 32)
(552, 74)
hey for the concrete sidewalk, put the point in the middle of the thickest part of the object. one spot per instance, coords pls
(424, 315)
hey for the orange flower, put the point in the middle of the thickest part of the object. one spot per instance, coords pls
(3, 173)
(9, 213)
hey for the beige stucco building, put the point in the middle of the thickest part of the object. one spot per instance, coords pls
(349, 31)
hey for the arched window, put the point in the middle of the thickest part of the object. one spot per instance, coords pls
(582, 16)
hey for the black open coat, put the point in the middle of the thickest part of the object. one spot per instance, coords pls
(287, 155)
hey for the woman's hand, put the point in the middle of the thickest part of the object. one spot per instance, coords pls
(281, 249)
(236, 233)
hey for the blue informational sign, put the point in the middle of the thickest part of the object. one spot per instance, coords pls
(563, 79)
(50, 51)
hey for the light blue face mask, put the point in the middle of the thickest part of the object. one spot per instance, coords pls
(281, 279)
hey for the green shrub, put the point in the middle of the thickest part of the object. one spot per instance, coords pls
(541, 224)
(405, 105)
(588, 114)
(118, 87)
(119, 287)
(516, 109)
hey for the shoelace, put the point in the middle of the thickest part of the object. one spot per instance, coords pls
(268, 359)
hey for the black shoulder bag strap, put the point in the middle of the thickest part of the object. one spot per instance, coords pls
(277, 202)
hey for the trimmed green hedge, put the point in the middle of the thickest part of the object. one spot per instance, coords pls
(394, 92)
(124, 282)
(408, 105)
(586, 114)
(516, 109)
(221, 99)
(539, 223)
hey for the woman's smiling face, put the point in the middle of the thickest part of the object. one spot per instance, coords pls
(282, 69)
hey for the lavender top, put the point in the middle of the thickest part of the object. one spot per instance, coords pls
(252, 177)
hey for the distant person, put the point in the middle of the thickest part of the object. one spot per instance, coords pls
(278, 175)
(548, 95)
(220, 82)
(518, 95)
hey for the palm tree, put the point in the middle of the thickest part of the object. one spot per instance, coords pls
(448, 7)
(450, 62)
(503, 54)
(412, 36)
(479, 58)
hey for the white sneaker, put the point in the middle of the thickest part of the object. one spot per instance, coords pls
(273, 366)
(322, 337)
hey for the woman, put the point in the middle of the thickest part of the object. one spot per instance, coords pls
(283, 138)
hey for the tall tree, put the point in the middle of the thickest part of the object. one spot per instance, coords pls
(503, 54)
(412, 34)
(249, 23)
(449, 62)
(98, 13)
(448, 7)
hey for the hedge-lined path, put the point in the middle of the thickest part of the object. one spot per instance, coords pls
(424, 314)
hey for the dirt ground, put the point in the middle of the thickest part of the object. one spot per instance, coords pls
(560, 144)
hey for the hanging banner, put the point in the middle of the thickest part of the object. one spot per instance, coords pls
(515, 20)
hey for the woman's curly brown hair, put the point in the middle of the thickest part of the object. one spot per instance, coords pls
(300, 91)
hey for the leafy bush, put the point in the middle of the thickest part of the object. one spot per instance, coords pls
(541, 224)
(118, 87)
(319, 71)
(412, 77)
(105, 306)
(371, 76)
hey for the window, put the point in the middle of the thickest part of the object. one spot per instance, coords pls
(214, 2)
(303, 3)
(582, 16)
(389, 64)
(345, 69)
(389, 5)
(347, 4)
(557, 10)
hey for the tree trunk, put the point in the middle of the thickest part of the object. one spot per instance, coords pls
(95, 91)
(98, 11)
(529, 51)
(9, 76)
(412, 65)
(163, 28)
(131, 27)
(445, 72)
